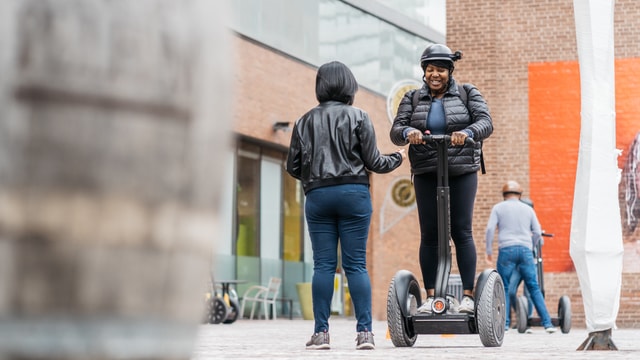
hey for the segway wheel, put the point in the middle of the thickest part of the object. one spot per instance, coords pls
(522, 304)
(232, 316)
(399, 327)
(564, 314)
(219, 311)
(208, 311)
(491, 312)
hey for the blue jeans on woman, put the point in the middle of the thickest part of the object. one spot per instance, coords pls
(508, 259)
(340, 214)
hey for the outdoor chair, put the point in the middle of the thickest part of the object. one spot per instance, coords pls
(264, 295)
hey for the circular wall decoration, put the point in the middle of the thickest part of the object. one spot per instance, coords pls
(402, 192)
(397, 92)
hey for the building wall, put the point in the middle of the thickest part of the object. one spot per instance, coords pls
(500, 41)
(272, 87)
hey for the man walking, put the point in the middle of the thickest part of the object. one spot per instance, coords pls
(518, 232)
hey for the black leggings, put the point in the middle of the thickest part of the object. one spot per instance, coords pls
(462, 194)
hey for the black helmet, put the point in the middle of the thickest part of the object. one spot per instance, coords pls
(439, 52)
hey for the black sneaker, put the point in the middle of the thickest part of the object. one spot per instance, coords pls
(319, 341)
(365, 341)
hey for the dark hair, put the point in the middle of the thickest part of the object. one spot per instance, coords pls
(336, 82)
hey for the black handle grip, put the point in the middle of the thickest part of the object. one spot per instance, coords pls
(445, 138)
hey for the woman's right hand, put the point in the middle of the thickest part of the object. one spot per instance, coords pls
(415, 137)
(402, 153)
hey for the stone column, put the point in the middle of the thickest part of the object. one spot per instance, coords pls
(113, 119)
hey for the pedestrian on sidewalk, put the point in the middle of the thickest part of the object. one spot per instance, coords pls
(518, 232)
(333, 149)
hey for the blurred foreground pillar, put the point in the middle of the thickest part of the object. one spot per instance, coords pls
(113, 119)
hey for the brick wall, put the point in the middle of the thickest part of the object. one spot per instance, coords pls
(499, 40)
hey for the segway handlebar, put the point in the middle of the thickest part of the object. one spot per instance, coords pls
(445, 138)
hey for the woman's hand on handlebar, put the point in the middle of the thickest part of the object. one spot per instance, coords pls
(458, 138)
(415, 137)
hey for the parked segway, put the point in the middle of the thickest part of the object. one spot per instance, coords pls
(564, 304)
(404, 296)
(221, 306)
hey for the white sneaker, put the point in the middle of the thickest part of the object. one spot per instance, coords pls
(550, 330)
(426, 307)
(467, 305)
(454, 304)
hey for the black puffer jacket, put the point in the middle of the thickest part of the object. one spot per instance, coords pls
(333, 144)
(475, 117)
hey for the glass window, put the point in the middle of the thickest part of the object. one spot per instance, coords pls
(293, 219)
(432, 13)
(247, 200)
(379, 53)
(270, 205)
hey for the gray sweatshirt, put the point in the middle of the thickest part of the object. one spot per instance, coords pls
(517, 225)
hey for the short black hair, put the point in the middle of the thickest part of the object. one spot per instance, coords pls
(336, 82)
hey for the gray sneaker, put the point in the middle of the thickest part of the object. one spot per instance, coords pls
(365, 341)
(467, 305)
(426, 307)
(319, 341)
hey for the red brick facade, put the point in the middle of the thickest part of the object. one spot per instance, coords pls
(499, 40)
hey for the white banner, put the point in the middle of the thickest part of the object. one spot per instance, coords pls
(596, 232)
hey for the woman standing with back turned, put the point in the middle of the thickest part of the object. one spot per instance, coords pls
(441, 109)
(333, 148)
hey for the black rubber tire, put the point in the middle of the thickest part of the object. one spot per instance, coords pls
(208, 312)
(522, 320)
(491, 311)
(396, 322)
(219, 312)
(564, 314)
(232, 316)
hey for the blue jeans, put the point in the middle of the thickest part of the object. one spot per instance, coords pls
(335, 215)
(514, 283)
(508, 259)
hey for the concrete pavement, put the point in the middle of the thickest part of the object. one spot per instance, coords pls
(285, 339)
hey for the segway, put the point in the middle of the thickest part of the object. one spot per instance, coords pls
(563, 321)
(221, 306)
(404, 296)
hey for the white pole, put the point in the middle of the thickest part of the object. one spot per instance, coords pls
(596, 230)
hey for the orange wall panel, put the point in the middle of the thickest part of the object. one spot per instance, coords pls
(554, 138)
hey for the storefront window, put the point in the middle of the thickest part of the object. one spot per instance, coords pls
(247, 200)
(292, 208)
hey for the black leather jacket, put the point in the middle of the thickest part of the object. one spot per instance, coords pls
(335, 143)
(474, 117)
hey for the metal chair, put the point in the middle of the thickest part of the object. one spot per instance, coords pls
(265, 295)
